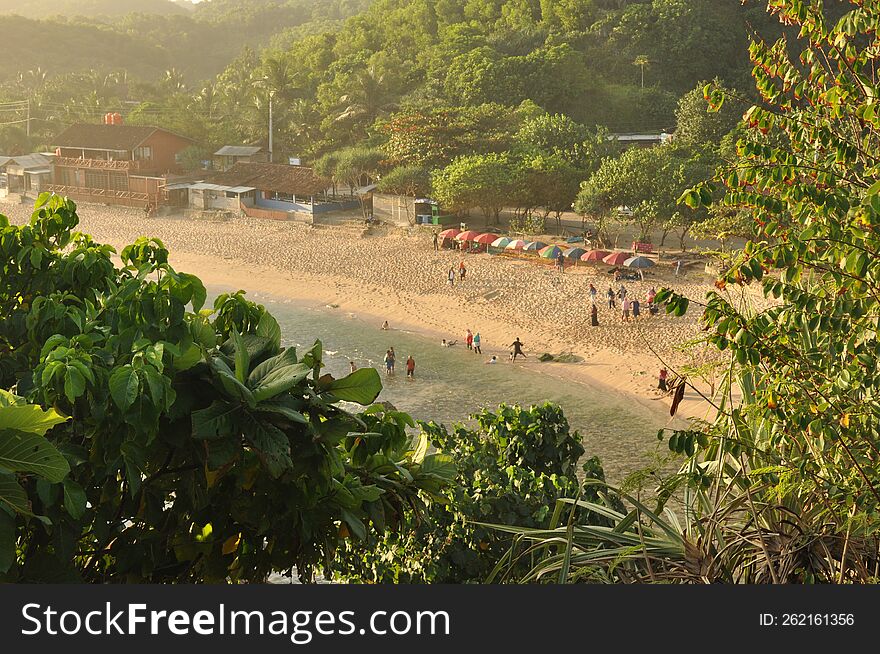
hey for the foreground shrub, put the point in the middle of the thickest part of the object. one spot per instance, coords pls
(198, 448)
(511, 469)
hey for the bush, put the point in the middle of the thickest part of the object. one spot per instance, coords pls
(511, 470)
(198, 449)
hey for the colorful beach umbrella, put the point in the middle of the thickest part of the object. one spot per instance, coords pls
(502, 242)
(595, 255)
(449, 233)
(467, 236)
(486, 239)
(639, 262)
(616, 258)
(550, 252)
(516, 245)
(535, 246)
(574, 253)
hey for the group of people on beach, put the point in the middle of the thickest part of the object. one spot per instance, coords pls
(630, 306)
(391, 359)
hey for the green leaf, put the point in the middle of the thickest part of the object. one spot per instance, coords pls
(27, 452)
(216, 421)
(439, 465)
(74, 499)
(74, 384)
(29, 418)
(202, 332)
(13, 495)
(362, 386)
(271, 444)
(268, 328)
(285, 358)
(354, 524)
(280, 380)
(124, 386)
(242, 359)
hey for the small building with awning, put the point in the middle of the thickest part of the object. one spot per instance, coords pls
(28, 174)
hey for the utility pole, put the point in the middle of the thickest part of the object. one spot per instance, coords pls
(271, 159)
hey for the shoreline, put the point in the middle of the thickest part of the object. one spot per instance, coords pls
(599, 369)
(396, 276)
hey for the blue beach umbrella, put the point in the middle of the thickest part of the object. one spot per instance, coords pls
(574, 253)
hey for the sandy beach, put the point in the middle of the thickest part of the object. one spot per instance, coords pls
(395, 275)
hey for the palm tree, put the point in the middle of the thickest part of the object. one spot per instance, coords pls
(367, 99)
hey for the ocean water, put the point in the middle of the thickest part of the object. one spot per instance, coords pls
(452, 383)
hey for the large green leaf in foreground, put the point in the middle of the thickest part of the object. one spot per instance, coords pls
(362, 386)
(27, 452)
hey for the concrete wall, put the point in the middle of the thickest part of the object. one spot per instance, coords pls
(280, 205)
(396, 209)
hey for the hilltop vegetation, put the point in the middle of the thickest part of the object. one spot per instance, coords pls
(47, 8)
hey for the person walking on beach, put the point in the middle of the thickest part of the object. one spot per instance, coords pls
(410, 367)
(436, 242)
(389, 362)
(462, 270)
(611, 303)
(560, 263)
(517, 349)
(469, 339)
(451, 277)
(593, 293)
(594, 316)
(635, 308)
(477, 349)
(626, 306)
(662, 380)
(622, 293)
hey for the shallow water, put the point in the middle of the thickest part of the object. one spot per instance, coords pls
(452, 383)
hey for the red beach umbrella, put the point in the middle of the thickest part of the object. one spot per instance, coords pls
(595, 255)
(516, 245)
(617, 258)
(468, 236)
(486, 239)
(449, 233)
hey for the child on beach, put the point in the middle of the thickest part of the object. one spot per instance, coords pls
(462, 270)
(494, 359)
(469, 339)
(410, 367)
(385, 325)
(477, 349)
(451, 276)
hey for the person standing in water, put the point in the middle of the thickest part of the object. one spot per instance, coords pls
(410, 367)
(352, 365)
(469, 339)
(517, 349)
(389, 362)
(393, 358)
(477, 349)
